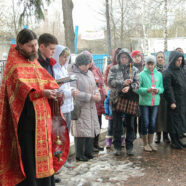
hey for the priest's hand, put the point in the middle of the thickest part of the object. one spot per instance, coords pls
(50, 94)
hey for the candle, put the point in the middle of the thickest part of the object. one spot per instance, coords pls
(130, 73)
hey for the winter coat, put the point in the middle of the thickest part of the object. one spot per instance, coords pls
(114, 62)
(107, 107)
(149, 98)
(174, 80)
(61, 72)
(161, 120)
(100, 84)
(87, 125)
(117, 75)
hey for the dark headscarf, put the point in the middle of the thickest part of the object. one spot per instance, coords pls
(174, 55)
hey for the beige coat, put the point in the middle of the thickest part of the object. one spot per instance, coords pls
(87, 125)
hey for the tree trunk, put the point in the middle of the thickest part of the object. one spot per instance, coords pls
(165, 26)
(14, 18)
(113, 24)
(144, 27)
(108, 29)
(67, 6)
(122, 23)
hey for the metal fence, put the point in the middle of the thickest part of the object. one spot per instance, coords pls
(2, 67)
(99, 60)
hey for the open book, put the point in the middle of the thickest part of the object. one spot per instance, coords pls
(66, 79)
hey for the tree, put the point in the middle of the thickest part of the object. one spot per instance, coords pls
(108, 29)
(67, 6)
(35, 8)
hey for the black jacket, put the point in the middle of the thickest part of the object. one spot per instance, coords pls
(174, 80)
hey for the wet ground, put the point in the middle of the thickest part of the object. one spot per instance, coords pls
(166, 167)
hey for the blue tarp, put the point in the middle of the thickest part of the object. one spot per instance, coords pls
(98, 60)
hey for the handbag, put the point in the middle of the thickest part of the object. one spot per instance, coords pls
(75, 114)
(127, 106)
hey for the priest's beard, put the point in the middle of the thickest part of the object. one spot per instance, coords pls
(30, 56)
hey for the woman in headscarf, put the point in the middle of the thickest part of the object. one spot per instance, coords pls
(86, 127)
(123, 80)
(174, 92)
(161, 121)
(62, 55)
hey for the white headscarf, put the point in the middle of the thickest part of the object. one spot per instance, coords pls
(59, 49)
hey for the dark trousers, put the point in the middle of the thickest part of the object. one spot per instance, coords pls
(118, 128)
(83, 147)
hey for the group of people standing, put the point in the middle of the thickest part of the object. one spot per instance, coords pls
(150, 92)
(35, 119)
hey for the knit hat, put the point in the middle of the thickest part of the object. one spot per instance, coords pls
(151, 59)
(88, 53)
(136, 53)
(82, 59)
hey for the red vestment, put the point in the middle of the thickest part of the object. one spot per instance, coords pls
(24, 78)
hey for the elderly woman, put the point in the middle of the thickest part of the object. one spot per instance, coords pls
(174, 79)
(86, 127)
(99, 105)
(123, 79)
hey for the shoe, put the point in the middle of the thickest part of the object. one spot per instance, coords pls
(182, 144)
(130, 152)
(147, 148)
(123, 142)
(158, 137)
(108, 143)
(176, 146)
(100, 148)
(153, 147)
(175, 142)
(165, 137)
(90, 156)
(57, 180)
(150, 141)
(117, 152)
(95, 149)
(82, 159)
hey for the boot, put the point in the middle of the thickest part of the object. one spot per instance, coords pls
(79, 148)
(158, 137)
(96, 144)
(150, 141)
(174, 142)
(146, 146)
(180, 142)
(122, 141)
(117, 152)
(108, 142)
(165, 137)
